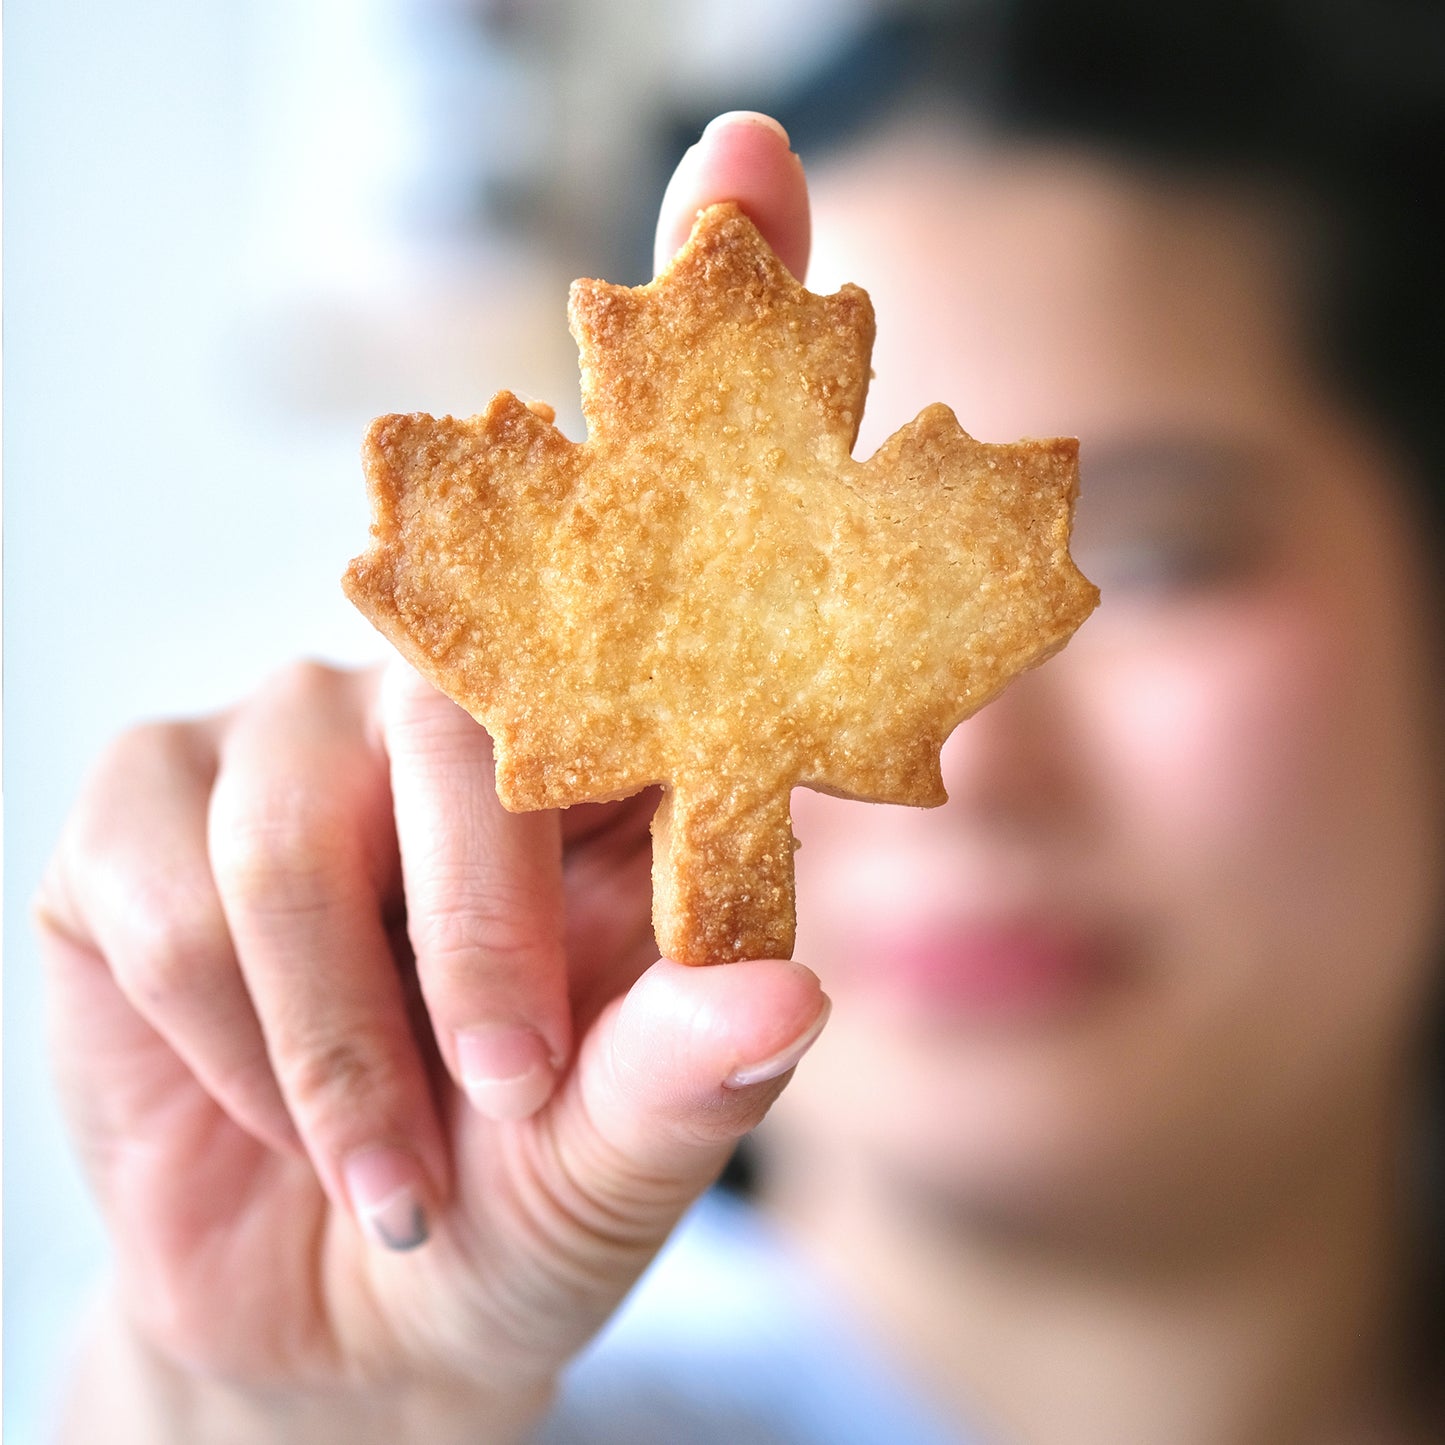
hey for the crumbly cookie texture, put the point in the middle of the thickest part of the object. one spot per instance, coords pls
(709, 592)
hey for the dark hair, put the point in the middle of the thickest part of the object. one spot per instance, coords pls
(1338, 103)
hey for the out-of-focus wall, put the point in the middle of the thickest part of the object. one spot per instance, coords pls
(232, 234)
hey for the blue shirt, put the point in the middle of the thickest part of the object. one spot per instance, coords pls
(728, 1340)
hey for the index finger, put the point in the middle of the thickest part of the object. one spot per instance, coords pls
(484, 903)
(742, 156)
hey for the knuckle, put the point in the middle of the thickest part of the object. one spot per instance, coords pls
(151, 747)
(596, 1191)
(154, 758)
(174, 944)
(52, 909)
(332, 1074)
(305, 682)
(496, 923)
(425, 721)
(101, 844)
(285, 853)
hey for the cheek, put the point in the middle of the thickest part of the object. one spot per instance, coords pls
(1267, 778)
(1210, 741)
(863, 861)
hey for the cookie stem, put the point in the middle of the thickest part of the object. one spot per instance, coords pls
(722, 872)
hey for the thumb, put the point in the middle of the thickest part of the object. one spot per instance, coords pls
(742, 156)
(569, 1206)
(672, 1076)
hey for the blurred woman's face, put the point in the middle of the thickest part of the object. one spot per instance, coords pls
(1174, 927)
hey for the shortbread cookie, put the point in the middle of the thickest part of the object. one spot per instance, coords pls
(709, 593)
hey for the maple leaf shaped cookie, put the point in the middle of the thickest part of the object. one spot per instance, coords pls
(709, 593)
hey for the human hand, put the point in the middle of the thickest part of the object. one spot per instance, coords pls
(379, 1094)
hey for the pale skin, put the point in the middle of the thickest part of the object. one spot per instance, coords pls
(1229, 775)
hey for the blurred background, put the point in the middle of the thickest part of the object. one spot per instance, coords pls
(233, 234)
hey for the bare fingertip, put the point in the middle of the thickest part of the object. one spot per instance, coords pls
(507, 1071)
(383, 1185)
(776, 1065)
(756, 118)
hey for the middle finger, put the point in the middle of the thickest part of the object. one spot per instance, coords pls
(299, 803)
(484, 903)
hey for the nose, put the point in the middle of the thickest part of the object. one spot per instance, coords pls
(1017, 762)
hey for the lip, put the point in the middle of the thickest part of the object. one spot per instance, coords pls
(996, 969)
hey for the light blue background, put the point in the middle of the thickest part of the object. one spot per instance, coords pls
(167, 542)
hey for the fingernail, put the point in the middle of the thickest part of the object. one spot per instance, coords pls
(382, 1185)
(785, 1059)
(746, 117)
(506, 1070)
